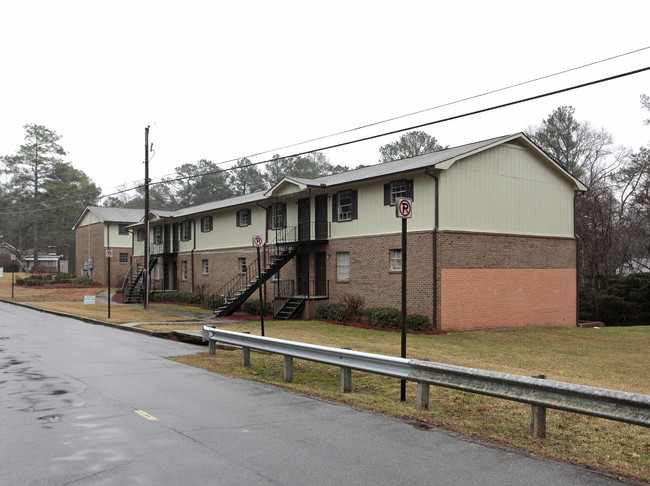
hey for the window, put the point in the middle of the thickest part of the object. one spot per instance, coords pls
(124, 258)
(276, 275)
(344, 206)
(206, 224)
(156, 272)
(186, 231)
(121, 229)
(276, 216)
(343, 266)
(395, 189)
(204, 267)
(243, 217)
(184, 270)
(396, 260)
(157, 235)
(140, 234)
(241, 265)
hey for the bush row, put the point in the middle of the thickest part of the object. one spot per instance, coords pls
(379, 317)
(622, 301)
(47, 279)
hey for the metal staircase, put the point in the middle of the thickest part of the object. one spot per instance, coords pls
(242, 286)
(291, 308)
(133, 286)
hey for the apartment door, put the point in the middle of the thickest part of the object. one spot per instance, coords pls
(303, 219)
(320, 273)
(302, 273)
(321, 217)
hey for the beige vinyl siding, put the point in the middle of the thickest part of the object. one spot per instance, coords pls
(225, 232)
(113, 236)
(506, 189)
(375, 218)
(88, 219)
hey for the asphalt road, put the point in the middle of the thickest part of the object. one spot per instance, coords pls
(70, 392)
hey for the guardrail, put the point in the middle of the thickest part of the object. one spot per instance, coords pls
(540, 393)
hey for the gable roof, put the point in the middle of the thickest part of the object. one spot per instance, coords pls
(111, 215)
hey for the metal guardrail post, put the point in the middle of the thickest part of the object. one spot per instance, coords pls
(538, 418)
(288, 368)
(346, 378)
(423, 396)
(245, 356)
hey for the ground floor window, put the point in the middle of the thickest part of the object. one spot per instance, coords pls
(241, 264)
(204, 267)
(156, 272)
(124, 258)
(396, 260)
(184, 270)
(343, 266)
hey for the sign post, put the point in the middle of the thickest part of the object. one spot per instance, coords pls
(403, 210)
(257, 243)
(109, 255)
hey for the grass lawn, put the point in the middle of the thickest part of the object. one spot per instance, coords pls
(613, 358)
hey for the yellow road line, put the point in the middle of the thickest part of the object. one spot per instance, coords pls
(145, 415)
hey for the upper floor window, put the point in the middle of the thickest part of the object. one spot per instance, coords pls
(186, 230)
(344, 206)
(140, 234)
(397, 189)
(243, 217)
(157, 235)
(121, 229)
(276, 216)
(206, 224)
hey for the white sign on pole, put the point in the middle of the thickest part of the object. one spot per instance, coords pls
(404, 207)
(89, 299)
(257, 241)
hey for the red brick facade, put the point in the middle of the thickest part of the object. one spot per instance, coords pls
(90, 244)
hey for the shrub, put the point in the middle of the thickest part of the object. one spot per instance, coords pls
(386, 317)
(354, 307)
(252, 306)
(213, 301)
(331, 311)
(178, 297)
(418, 322)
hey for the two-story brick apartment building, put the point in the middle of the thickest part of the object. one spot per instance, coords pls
(99, 229)
(491, 242)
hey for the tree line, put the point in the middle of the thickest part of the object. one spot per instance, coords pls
(42, 196)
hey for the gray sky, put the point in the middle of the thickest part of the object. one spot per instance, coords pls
(221, 80)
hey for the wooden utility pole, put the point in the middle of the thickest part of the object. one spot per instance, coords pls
(145, 282)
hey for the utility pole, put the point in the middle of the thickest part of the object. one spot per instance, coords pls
(146, 218)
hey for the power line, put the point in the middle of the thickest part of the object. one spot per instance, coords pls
(383, 134)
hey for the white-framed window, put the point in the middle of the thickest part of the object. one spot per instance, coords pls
(204, 267)
(276, 275)
(243, 217)
(396, 189)
(140, 234)
(157, 235)
(184, 270)
(343, 266)
(121, 229)
(186, 231)
(124, 258)
(206, 224)
(345, 206)
(156, 272)
(278, 211)
(396, 260)
(241, 265)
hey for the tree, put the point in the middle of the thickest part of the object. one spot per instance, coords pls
(30, 164)
(577, 146)
(246, 178)
(200, 183)
(410, 144)
(310, 166)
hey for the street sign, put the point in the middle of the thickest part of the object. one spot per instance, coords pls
(109, 253)
(13, 257)
(257, 241)
(404, 207)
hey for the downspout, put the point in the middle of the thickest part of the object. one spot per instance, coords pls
(434, 246)
(192, 252)
(575, 233)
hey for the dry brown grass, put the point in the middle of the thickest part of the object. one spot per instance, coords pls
(610, 358)
(120, 314)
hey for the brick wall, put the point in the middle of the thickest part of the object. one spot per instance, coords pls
(89, 242)
(492, 281)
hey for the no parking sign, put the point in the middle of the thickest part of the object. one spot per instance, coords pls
(257, 241)
(404, 207)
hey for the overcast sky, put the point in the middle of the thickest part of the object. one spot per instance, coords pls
(222, 80)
